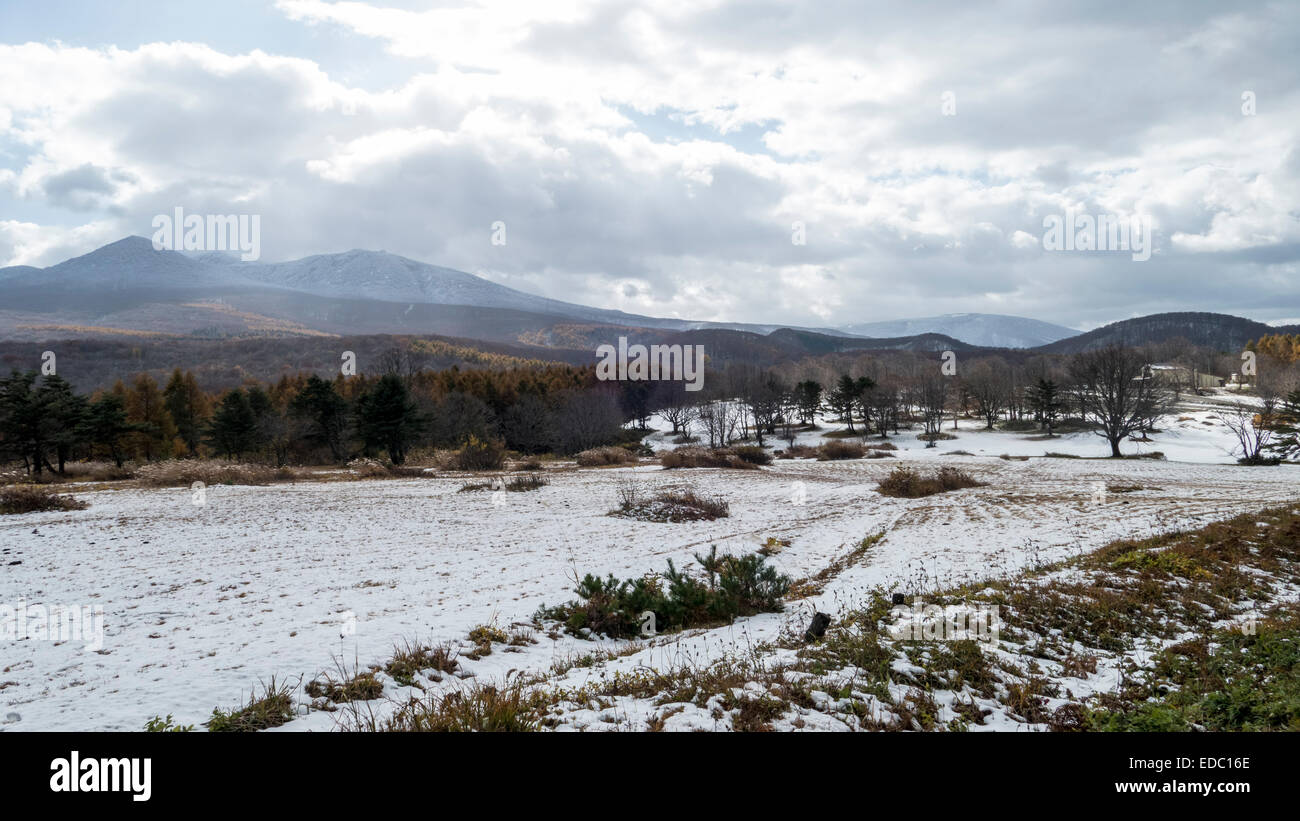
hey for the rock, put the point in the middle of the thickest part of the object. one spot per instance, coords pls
(820, 621)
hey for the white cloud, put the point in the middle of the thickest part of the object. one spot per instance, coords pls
(749, 117)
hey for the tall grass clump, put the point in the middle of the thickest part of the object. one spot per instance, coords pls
(273, 708)
(185, 472)
(480, 454)
(35, 499)
(910, 484)
(602, 457)
(728, 587)
(691, 456)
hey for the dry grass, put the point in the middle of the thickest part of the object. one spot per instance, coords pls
(91, 471)
(480, 708)
(365, 468)
(911, 484)
(797, 452)
(413, 658)
(526, 483)
(273, 708)
(360, 687)
(185, 472)
(35, 499)
(839, 449)
(673, 505)
(604, 457)
(698, 457)
(480, 454)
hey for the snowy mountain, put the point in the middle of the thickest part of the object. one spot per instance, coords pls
(990, 330)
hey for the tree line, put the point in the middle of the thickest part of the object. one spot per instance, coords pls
(307, 419)
(403, 407)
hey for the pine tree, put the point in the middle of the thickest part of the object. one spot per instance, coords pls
(233, 428)
(62, 414)
(22, 431)
(1286, 428)
(189, 408)
(808, 398)
(844, 398)
(105, 425)
(325, 413)
(387, 418)
(1044, 399)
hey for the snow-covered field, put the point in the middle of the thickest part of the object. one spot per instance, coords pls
(203, 602)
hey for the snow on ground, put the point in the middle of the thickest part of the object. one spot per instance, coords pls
(203, 602)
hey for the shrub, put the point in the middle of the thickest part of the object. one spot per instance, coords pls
(732, 586)
(361, 687)
(909, 483)
(368, 468)
(752, 454)
(481, 708)
(487, 634)
(698, 457)
(799, 452)
(272, 709)
(525, 483)
(412, 659)
(679, 505)
(96, 472)
(185, 472)
(839, 449)
(600, 457)
(34, 499)
(480, 454)
(158, 724)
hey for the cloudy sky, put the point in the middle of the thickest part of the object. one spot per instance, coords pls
(654, 157)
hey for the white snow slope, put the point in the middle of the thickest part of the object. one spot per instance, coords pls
(202, 603)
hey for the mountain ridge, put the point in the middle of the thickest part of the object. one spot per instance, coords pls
(128, 287)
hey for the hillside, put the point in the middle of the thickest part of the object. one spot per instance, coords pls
(988, 330)
(1219, 331)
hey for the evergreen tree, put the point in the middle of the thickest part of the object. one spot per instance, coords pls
(387, 418)
(1286, 428)
(233, 429)
(808, 398)
(1044, 399)
(844, 397)
(105, 425)
(325, 413)
(189, 408)
(21, 426)
(62, 414)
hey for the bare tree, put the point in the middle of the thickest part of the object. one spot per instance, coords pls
(1120, 395)
(720, 419)
(1253, 427)
(676, 404)
(987, 382)
(932, 399)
